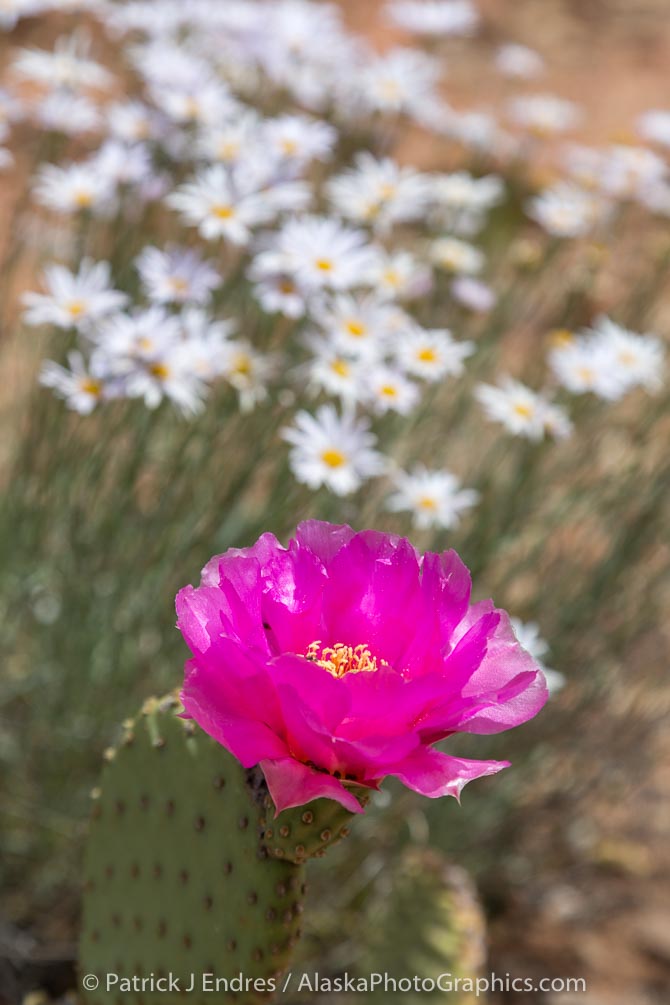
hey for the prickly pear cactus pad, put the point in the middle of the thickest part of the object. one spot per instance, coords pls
(176, 879)
(428, 922)
(306, 831)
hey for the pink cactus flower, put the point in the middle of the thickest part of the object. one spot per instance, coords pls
(345, 658)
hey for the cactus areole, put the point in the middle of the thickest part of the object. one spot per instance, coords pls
(344, 658)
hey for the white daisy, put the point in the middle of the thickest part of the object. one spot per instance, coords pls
(320, 253)
(473, 294)
(544, 115)
(336, 374)
(169, 374)
(435, 17)
(334, 450)
(459, 257)
(654, 127)
(432, 354)
(295, 139)
(74, 299)
(380, 193)
(75, 188)
(519, 409)
(434, 498)
(518, 61)
(220, 204)
(177, 275)
(82, 387)
(568, 211)
(402, 80)
(247, 370)
(389, 391)
(398, 275)
(528, 636)
(359, 326)
(66, 66)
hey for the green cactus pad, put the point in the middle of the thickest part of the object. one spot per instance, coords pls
(176, 879)
(306, 831)
(427, 923)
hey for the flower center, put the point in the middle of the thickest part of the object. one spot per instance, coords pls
(90, 386)
(427, 503)
(525, 411)
(324, 265)
(355, 328)
(341, 659)
(159, 370)
(177, 284)
(242, 365)
(427, 355)
(228, 150)
(222, 212)
(333, 458)
(83, 199)
(340, 367)
(76, 308)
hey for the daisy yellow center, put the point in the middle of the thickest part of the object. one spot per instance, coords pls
(159, 370)
(586, 374)
(178, 285)
(341, 659)
(333, 458)
(83, 199)
(427, 355)
(340, 367)
(392, 277)
(627, 358)
(525, 411)
(324, 264)
(287, 287)
(389, 88)
(562, 337)
(355, 328)
(90, 386)
(427, 503)
(289, 147)
(76, 308)
(192, 108)
(389, 390)
(228, 150)
(242, 366)
(222, 212)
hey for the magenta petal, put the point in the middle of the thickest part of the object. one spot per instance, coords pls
(435, 774)
(323, 539)
(373, 595)
(246, 740)
(231, 681)
(293, 583)
(294, 784)
(221, 706)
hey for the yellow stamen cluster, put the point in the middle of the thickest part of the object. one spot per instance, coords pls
(222, 212)
(333, 458)
(340, 659)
